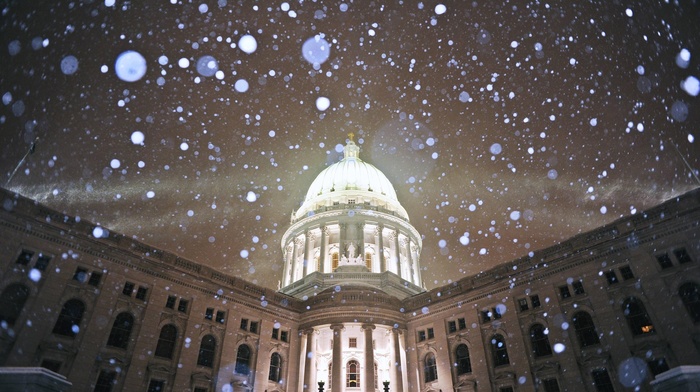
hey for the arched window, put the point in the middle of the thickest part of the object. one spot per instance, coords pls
(368, 260)
(353, 374)
(68, 323)
(539, 340)
(335, 258)
(430, 368)
(275, 368)
(166, 341)
(499, 351)
(121, 330)
(690, 295)
(463, 362)
(585, 329)
(243, 359)
(12, 302)
(206, 351)
(637, 317)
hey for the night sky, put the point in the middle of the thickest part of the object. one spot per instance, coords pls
(505, 127)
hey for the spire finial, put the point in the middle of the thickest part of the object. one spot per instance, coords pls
(351, 136)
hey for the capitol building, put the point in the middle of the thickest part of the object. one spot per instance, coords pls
(607, 310)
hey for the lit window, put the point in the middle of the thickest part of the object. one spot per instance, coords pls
(353, 374)
(637, 317)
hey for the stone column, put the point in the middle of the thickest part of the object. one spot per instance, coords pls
(309, 362)
(361, 241)
(369, 357)
(397, 370)
(342, 241)
(295, 258)
(324, 245)
(380, 248)
(338, 384)
(397, 252)
(288, 256)
(308, 240)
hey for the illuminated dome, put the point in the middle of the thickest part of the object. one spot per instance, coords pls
(351, 180)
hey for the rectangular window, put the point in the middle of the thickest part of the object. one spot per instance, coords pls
(421, 336)
(611, 276)
(352, 343)
(550, 385)
(431, 333)
(170, 302)
(664, 261)
(451, 326)
(284, 336)
(105, 381)
(485, 316)
(201, 389)
(209, 314)
(25, 257)
(522, 303)
(578, 288)
(141, 293)
(54, 366)
(156, 386)
(505, 389)
(682, 256)
(275, 333)
(253, 327)
(244, 324)
(128, 288)
(626, 272)
(95, 278)
(564, 291)
(535, 300)
(42, 262)
(496, 313)
(220, 317)
(182, 306)
(461, 323)
(81, 275)
(657, 366)
(601, 380)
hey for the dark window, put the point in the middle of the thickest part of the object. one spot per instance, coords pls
(430, 368)
(485, 316)
(499, 351)
(421, 336)
(128, 288)
(68, 323)
(209, 314)
(578, 288)
(463, 362)
(220, 317)
(275, 333)
(626, 272)
(206, 351)
(611, 277)
(564, 291)
(105, 381)
(601, 381)
(81, 275)
(451, 326)
(12, 302)
(25, 257)
(166, 341)
(690, 295)
(664, 261)
(54, 366)
(496, 312)
(42, 262)
(200, 389)
(275, 368)
(657, 366)
(95, 278)
(244, 324)
(431, 333)
(535, 299)
(637, 317)
(253, 327)
(585, 329)
(539, 340)
(522, 303)
(182, 306)
(505, 389)
(682, 256)
(461, 323)
(243, 359)
(550, 385)
(121, 330)
(284, 336)
(170, 302)
(141, 293)
(156, 386)
(353, 374)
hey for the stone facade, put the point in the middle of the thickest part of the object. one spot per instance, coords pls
(603, 310)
